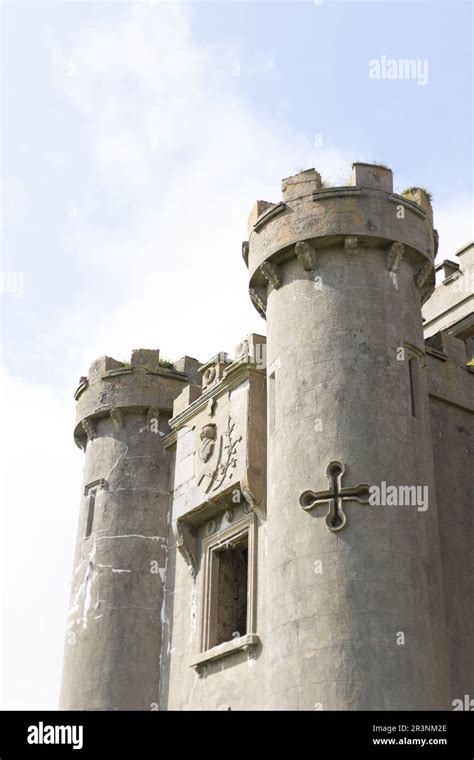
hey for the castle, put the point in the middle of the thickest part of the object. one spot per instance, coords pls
(290, 528)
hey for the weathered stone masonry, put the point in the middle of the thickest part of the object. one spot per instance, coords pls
(228, 554)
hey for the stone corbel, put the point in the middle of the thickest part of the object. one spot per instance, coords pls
(89, 428)
(245, 252)
(258, 301)
(254, 504)
(351, 245)
(306, 255)
(395, 255)
(117, 418)
(426, 293)
(421, 277)
(272, 273)
(186, 542)
(422, 274)
(211, 406)
(153, 417)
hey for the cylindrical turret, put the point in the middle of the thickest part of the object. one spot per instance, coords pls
(355, 613)
(113, 639)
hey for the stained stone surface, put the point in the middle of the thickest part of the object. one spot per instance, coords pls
(210, 579)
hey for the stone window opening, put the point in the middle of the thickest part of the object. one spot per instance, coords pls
(413, 371)
(228, 591)
(90, 512)
(90, 491)
(271, 399)
(229, 616)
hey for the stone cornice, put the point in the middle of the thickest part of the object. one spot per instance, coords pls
(336, 192)
(234, 376)
(169, 440)
(131, 371)
(142, 371)
(401, 201)
(269, 214)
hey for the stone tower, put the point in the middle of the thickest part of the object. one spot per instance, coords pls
(358, 621)
(290, 527)
(113, 637)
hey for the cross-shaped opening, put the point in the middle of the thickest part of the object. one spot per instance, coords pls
(335, 472)
(335, 496)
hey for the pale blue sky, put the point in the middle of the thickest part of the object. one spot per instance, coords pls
(320, 83)
(131, 156)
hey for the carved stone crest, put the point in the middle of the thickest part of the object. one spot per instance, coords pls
(208, 437)
(216, 455)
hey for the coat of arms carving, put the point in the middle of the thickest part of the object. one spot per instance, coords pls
(216, 455)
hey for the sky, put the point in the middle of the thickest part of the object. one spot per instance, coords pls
(135, 139)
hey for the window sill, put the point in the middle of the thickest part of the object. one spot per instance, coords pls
(242, 644)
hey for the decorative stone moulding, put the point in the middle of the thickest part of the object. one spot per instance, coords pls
(259, 301)
(271, 213)
(395, 255)
(351, 245)
(213, 371)
(272, 273)
(89, 428)
(306, 255)
(226, 429)
(117, 418)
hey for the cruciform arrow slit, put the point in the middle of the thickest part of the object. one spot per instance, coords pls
(335, 496)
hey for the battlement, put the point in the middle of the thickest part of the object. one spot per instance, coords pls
(144, 383)
(220, 371)
(372, 177)
(313, 216)
(368, 176)
(212, 490)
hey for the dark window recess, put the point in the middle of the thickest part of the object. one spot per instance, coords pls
(232, 591)
(90, 512)
(414, 386)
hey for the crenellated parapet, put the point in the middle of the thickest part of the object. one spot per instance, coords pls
(113, 388)
(365, 213)
(115, 628)
(340, 273)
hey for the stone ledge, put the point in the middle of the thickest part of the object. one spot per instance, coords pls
(234, 376)
(437, 354)
(144, 371)
(401, 200)
(336, 192)
(267, 215)
(248, 641)
(81, 388)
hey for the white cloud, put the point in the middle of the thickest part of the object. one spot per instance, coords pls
(41, 476)
(181, 155)
(15, 202)
(177, 159)
(454, 222)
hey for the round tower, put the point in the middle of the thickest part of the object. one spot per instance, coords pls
(355, 613)
(113, 639)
